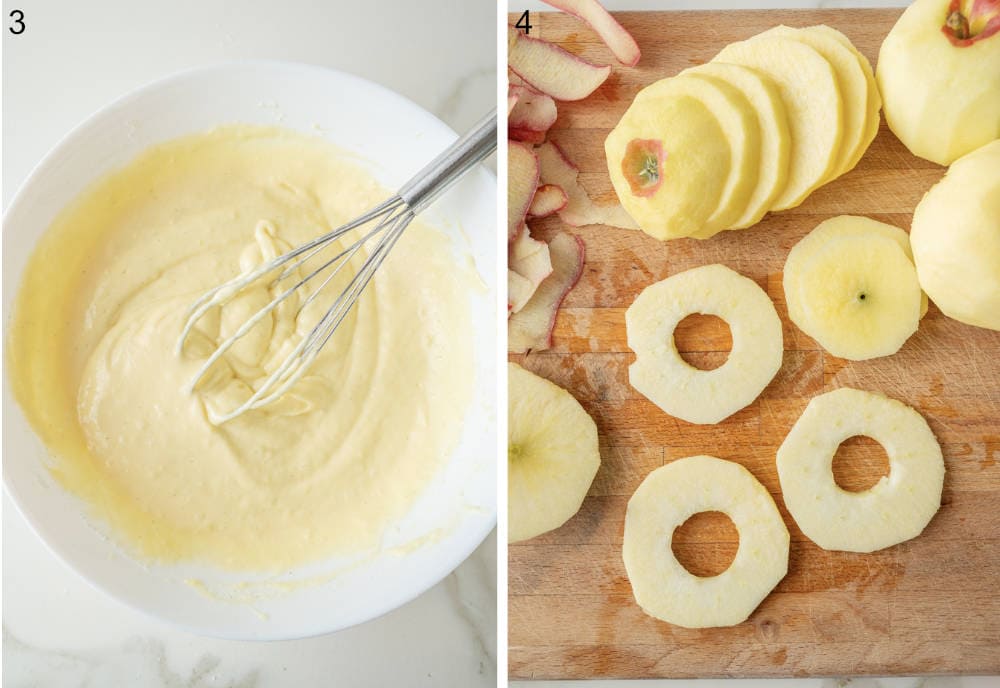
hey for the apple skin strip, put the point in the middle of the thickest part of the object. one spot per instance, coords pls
(522, 179)
(580, 210)
(531, 328)
(592, 13)
(550, 69)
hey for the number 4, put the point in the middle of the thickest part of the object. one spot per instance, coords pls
(524, 23)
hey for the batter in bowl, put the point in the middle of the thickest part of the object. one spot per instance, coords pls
(324, 470)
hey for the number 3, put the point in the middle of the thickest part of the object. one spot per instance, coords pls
(18, 17)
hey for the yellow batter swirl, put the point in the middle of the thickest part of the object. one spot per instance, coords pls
(327, 468)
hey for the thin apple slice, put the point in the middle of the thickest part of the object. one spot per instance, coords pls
(580, 210)
(531, 328)
(552, 70)
(529, 258)
(522, 180)
(548, 199)
(620, 41)
(533, 112)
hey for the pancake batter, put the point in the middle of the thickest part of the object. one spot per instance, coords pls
(322, 471)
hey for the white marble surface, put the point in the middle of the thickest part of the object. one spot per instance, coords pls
(933, 682)
(73, 59)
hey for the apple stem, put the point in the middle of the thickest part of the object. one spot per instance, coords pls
(649, 171)
(958, 24)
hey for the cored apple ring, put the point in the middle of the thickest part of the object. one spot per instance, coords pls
(897, 508)
(703, 396)
(667, 498)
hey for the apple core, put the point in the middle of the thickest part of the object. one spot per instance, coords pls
(643, 166)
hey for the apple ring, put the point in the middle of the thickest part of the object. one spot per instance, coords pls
(662, 376)
(667, 498)
(896, 508)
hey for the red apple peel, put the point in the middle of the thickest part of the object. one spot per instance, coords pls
(531, 328)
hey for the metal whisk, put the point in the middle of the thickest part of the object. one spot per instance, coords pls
(388, 221)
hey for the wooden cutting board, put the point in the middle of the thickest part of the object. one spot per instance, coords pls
(931, 605)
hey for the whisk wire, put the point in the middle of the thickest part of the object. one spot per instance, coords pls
(390, 218)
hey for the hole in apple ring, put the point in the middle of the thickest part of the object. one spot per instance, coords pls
(703, 341)
(859, 463)
(706, 544)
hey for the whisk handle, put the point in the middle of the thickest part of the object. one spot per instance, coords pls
(447, 168)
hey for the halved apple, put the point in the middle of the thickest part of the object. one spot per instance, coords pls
(552, 70)
(775, 140)
(696, 161)
(522, 180)
(939, 74)
(850, 79)
(548, 199)
(531, 328)
(552, 454)
(812, 99)
(611, 32)
(956, 239)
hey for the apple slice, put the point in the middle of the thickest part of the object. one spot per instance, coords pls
(850, 79)
(531, 328)
(552, 454)
(775, 140)
(851, 286)
(812, 98)
(620, 41)
(874, 98)
(580, 210)
(522, 180)
(548, 199)
(532, 115)
(529, 258)
(519, 291)
(695, 162)
(552, 70)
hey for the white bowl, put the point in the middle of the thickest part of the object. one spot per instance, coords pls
(394, 138)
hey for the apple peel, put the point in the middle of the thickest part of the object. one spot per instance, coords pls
(592, 13)
(522, 179)
(529, 258)
(548, 68)
(531, 328)
(519, 291)
(580, 210)
(548, 199)
(533, 112)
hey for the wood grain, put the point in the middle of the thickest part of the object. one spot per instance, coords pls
(926, 606)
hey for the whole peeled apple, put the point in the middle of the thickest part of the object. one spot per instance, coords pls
(939, 74)
(955, 239)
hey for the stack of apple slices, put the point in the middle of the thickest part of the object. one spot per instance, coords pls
(541, 179)
(758, 129)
